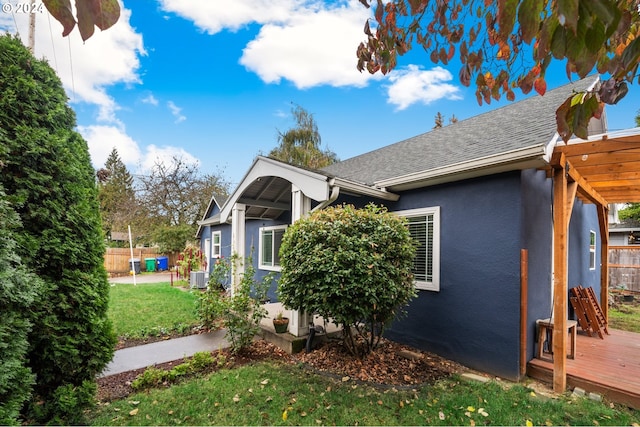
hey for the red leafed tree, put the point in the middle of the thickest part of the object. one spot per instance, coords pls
(508, 44)
(89, 14)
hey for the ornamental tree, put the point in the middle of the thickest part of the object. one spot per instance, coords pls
(350, 265)
(508, 44)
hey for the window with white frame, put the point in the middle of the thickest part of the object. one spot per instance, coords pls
(270, 240)
(424, 227)
(592, 250)
(216, 246)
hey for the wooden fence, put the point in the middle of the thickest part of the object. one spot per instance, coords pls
(117, 260)
(624, 267)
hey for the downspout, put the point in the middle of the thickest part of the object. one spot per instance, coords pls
(335, 192)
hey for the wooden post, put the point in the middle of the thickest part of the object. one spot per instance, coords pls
(603, 222)
(561, 214)
(524, 292)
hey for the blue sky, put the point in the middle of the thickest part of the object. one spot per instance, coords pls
(213, 81)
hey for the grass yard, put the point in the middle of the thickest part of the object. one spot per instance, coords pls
(271, 393)
(625, 317)
(151, 310)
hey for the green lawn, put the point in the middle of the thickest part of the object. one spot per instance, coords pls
(151, 309)
(625, 317)
(271, 393)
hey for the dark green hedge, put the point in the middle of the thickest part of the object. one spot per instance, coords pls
(50, 183)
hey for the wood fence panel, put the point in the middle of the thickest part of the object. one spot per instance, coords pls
(117, 260)
(624, 267)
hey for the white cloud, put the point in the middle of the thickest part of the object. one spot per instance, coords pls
(309, 43)
(214, 16)
(176, 112)
(165, 155)
(414, 85)
(86, 68)
(150, 99)
(314, 47)
(103, 139)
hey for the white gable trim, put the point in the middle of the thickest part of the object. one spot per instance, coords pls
(312, 184)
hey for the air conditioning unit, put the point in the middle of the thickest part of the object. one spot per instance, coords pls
(196, 280)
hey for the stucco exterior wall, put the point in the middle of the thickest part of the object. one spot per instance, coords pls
(474, 318)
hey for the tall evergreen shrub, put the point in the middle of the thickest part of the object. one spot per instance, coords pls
(18, 292)
(49, 181)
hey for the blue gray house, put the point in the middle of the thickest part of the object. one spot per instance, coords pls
(486, 197)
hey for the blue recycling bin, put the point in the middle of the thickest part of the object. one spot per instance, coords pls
(163, 263)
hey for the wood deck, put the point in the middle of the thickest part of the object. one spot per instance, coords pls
(609, 366)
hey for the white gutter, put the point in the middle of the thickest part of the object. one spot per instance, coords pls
(509, 160)
(364, 190)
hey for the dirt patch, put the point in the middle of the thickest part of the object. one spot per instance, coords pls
(392, 365)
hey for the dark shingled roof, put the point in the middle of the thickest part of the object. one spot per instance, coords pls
(522, 124)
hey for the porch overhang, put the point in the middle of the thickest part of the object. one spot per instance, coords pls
(266, 189)
(602, 170)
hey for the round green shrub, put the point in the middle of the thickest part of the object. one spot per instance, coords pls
(352, 266)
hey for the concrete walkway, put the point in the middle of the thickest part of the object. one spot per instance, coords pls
(142, 356)
(158, 277)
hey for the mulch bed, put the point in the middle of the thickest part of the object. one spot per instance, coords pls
(391, 365)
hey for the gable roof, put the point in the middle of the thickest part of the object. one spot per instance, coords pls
(211, 215)
(510, 134)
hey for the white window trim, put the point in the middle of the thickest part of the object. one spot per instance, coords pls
(592, 249)
(434, 284)
(213, 244)
(262, 266)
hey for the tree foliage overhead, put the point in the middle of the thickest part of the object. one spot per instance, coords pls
(508, 44)
(89, 14)
(300, 145)
(50, 184)
(352, 266)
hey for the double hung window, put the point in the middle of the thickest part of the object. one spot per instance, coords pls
(424, 227)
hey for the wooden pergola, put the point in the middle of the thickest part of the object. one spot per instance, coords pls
(602, 170)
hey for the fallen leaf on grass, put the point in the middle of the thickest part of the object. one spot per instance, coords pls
(134, 412)
(236, 398)
(265, 381)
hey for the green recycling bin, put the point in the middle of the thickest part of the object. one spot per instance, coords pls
(150, 263)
